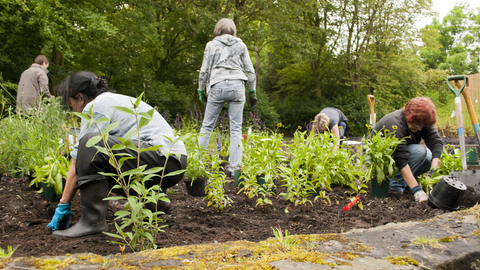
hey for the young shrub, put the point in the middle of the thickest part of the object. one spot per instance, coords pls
(197, 158)
(304, 176)
(450, 161)
(53, 172)
(262, 159)
(379, 148)
(215, 191)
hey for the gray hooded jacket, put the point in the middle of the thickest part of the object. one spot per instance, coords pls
(226, 58)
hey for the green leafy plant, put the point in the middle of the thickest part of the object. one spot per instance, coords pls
(215, 191)
(359, 183)
(450, 161)
(53, 172)
(223, 143)
(379, 148)
(197, 158)
(262, 158)
(7, 253)
(286, 242)
(145, 224)
(28, 138)
(310, 170)
(296, 174)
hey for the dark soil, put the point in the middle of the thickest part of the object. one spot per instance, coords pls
(25, 215)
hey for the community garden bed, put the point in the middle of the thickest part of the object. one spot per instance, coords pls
(25, 215)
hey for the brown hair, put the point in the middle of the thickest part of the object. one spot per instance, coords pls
(225, 26)
(41, 59)
(421, 111)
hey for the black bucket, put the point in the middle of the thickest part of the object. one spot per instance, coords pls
(447, 194)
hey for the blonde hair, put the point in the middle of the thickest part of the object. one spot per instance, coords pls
(225, 26)
(321, 120)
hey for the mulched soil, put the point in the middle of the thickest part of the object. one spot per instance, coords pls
(25, 215)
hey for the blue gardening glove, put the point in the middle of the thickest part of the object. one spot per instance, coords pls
(61, 219)
(202, 96)
(252, 98)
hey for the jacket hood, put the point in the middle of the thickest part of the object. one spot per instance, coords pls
(228, 40)
(41, 67)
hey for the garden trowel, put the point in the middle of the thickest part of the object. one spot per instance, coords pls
(468, 177)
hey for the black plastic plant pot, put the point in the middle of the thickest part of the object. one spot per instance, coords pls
(49, 193)
(238, 178)
(261, 182)
(380, 190)
(447, 194)
(197, 187)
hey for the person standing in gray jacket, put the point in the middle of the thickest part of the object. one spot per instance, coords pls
(33, 85)
(225, 70)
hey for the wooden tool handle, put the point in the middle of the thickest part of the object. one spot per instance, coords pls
(468, 100)
(371, 103)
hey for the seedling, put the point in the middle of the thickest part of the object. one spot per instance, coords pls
(286, 242)
(5, 254)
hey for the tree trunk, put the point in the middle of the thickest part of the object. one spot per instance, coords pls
(257, 51)
(57, 57)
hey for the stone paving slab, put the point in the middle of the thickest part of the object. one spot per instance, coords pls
(448, 241)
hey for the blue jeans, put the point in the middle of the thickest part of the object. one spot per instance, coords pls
(420, 161)
(233, 92)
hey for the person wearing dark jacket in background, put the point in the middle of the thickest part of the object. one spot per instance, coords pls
(33, 85)
(413, 123)
(333, 120)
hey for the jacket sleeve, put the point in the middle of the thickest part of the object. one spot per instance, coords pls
(401, 154)
(433, 141)
(248, 68)
(205, 69)
(43, 83)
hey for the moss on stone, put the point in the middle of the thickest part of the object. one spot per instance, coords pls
(51, 264)
(447, 239)
(359, 247)
(402, 260)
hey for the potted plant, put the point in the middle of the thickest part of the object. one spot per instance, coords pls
(304, 176)
(262, 159)
(51, 176)
(379, 148)
(196, 174)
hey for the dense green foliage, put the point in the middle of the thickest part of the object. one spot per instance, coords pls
(308, 54)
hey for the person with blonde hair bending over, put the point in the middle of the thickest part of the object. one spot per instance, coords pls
(333, 120)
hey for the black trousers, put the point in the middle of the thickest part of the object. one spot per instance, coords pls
(90, 163)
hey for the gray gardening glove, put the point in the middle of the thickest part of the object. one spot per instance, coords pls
(420, 196)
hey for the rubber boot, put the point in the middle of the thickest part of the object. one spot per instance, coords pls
(93, 209)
